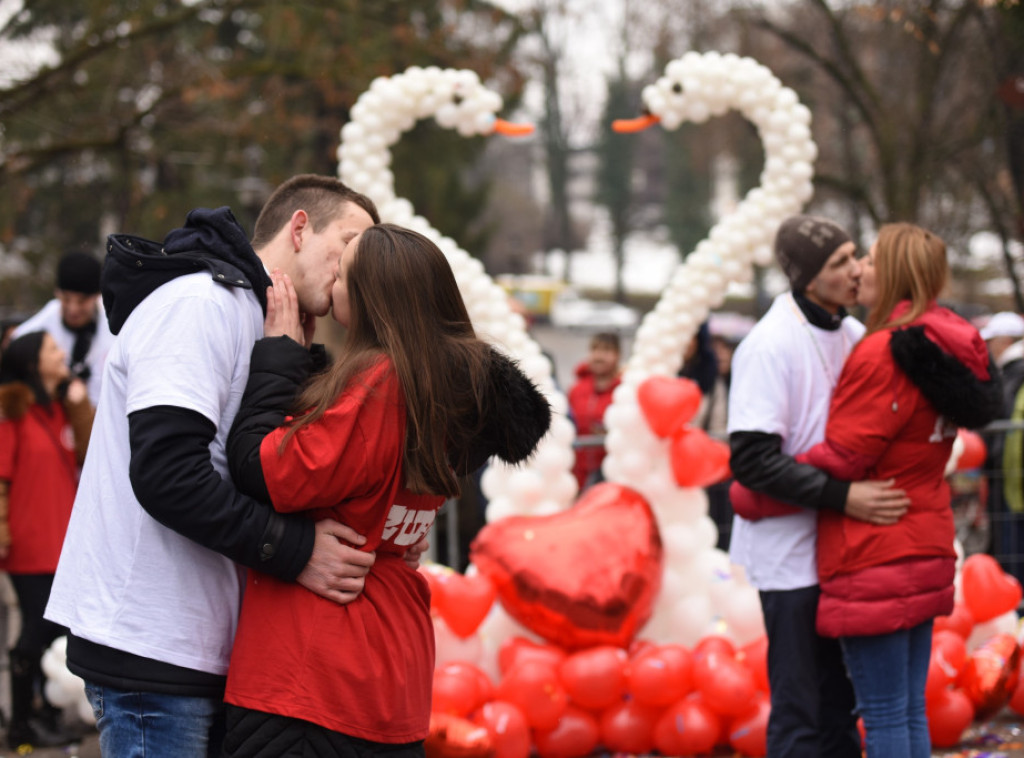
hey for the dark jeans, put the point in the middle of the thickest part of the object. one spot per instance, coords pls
(812, 699)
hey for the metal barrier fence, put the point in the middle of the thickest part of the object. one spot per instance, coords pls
(983, 521)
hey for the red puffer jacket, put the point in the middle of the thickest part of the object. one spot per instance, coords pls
(901, 396)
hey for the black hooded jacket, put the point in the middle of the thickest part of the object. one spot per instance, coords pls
(171, 470)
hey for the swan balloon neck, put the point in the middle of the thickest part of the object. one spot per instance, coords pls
(638, 124)
(510, 129)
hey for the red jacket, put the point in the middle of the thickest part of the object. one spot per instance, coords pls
(894, 414)
(37, 458)
(587, 404)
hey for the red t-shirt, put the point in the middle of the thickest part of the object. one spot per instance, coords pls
(37, 457)
(365, 668)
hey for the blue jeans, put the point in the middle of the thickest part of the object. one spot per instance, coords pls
(889, 672)
(152, 725)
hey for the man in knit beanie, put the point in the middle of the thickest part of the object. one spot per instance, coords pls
(783, 374)
(75, 319)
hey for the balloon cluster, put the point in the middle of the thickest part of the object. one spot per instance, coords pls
(648, 697)
(62, 688)
(975, 661)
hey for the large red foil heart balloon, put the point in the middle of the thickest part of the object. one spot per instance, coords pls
(584, 577)
(988, 590)
(668, 403)
(990, 675)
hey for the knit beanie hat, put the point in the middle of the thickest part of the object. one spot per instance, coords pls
(79, 272)
(803, 244)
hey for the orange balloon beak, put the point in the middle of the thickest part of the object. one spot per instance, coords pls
(630, 125)
(510, 129)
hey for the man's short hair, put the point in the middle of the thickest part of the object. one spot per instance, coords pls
(322, 197)
(606, 339)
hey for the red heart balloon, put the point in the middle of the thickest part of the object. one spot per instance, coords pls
(454, 737)
(584, 577)
(697, 460)
(948, 716)
(668, 402)
(988, 590)
(990, 675)
(463, 601)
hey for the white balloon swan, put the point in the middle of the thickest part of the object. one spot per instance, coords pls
(700, 594)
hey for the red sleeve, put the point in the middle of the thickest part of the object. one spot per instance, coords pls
(8, 448)
(865, 414)
(338, 456)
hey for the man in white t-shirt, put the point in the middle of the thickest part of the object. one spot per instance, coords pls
(150, 576)
(783, 374)
(76, 320)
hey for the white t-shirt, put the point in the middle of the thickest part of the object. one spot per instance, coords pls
(783, 374)
(49, 319)
(124, 580)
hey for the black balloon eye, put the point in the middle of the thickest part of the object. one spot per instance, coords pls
(677, 88)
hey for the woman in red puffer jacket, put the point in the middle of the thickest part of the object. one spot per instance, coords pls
(919, 374)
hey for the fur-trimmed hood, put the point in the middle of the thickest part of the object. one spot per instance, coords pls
(946, 358)
(15, 400)
(518, 416)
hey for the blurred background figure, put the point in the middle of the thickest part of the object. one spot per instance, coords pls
(76, 320)
(596, 380)
(1004, 335)
(43, 436)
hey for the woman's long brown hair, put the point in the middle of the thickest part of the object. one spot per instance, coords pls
(404, 303)
(910, 264)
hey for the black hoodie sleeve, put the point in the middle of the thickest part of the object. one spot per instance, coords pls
(758, 463)
(278, 368)
(174, 480)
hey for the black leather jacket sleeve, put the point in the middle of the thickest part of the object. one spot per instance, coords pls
(758, 463)
(174, 480)
(278, 368)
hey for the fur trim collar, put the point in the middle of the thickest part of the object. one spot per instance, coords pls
(15, 400)
(951, 387)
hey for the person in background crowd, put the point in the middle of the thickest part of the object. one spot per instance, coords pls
(1004, 335)
(919, 374)
(596, 380)
(7, 327)
(783, 375)
(44, 431)
(76, 320)
(378, 441)
(700, 363)
(151, 573)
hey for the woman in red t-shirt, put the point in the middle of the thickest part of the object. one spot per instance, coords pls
(379, 442)
(44, 430)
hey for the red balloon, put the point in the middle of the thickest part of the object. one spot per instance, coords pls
(1017, 698)
(748, 733)
(516, 649)
(460, 688)
(628, 727)
(549, 580)
(686, 728)
(754, 655)
(990, 675)
(595, 678)
(726, 685)
(668, 402)
(713, 643)
(960, 621)
(988, 590)
(577, 734)
(697, 459)
(661, 675)
(454, 737)
(974, 453)
(948, 716)
(462, 601)
(949, 654)
(534, 688)
(507, 727)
